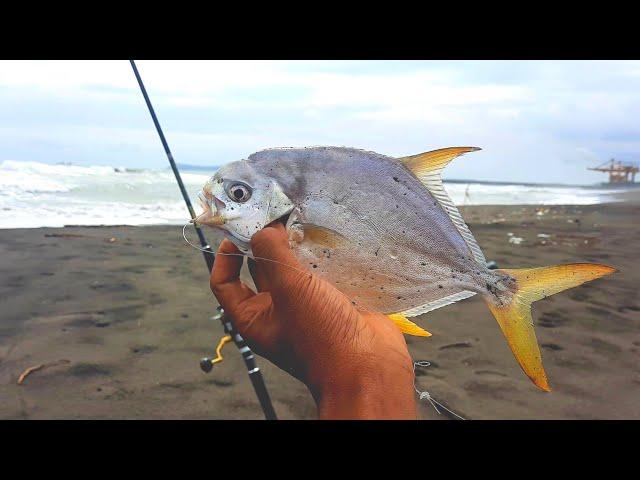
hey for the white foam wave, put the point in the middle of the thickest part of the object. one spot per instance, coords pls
(486, 194)
(35, 194)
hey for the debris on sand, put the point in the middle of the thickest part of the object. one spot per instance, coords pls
(571, 240)
(42, 366)
(498, 218)
(515, 240)
(456, 345)
(64, 235)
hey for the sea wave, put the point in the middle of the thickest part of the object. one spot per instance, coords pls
(492, 194)
(36, 194)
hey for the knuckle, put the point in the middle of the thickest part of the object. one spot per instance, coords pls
(264, 235)
(217, 289)
(227, 246)
(297, 288)
(267, 238)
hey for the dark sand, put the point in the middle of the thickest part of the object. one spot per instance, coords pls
(132, 318)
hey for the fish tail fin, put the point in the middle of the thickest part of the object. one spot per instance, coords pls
(407, 326)
(512, 309)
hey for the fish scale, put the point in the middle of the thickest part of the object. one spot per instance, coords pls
(373, 257)
(414, 226)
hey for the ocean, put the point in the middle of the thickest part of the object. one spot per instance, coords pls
(42, 195)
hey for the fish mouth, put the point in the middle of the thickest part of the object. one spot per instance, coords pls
(213, 215)
(212, 210)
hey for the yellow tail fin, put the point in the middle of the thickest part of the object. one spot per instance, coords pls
(407, 326)
(514, 316)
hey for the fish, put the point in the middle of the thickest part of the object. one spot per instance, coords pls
(384, 232)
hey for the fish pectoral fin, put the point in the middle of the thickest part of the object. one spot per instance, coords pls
(407, 326)
(323, 236)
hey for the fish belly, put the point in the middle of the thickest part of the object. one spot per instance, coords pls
(382, 280)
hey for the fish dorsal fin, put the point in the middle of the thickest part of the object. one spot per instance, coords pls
(407, 326)
(441, 302)
(427, 167)
(433, 162)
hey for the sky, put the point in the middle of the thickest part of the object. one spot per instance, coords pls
(536, 121)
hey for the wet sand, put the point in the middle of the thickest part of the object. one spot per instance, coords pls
(125, 312)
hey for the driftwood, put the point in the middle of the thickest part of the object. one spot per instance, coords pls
(42, 366)
(64, 235)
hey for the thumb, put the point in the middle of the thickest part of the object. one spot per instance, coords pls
(270, 247)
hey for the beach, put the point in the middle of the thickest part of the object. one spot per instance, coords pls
(121, 315)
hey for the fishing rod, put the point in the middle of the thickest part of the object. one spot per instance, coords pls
(206, 364)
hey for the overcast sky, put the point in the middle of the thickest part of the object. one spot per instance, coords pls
(542, 121)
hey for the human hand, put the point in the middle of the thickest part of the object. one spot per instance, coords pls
(356, 364)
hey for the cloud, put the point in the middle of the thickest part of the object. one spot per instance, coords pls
(542, 120)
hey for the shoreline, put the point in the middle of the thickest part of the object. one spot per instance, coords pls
(627, 197)
(132, 318)
(53, 211)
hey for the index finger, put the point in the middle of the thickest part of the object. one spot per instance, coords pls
(277, 262)
(225, 277)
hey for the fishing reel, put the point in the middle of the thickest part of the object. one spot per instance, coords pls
(207, 363)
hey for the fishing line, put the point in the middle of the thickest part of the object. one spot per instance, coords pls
(184, 235)
(298, 270)
(359, 306)
(426, 395)
(423, 395)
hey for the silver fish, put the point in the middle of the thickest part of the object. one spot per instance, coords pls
(384, 232)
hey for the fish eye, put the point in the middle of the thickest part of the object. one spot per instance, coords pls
(239, 192)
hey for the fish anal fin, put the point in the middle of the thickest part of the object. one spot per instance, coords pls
(407, 326)
(439, 303)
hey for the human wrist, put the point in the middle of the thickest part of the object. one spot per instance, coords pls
(370, 390)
